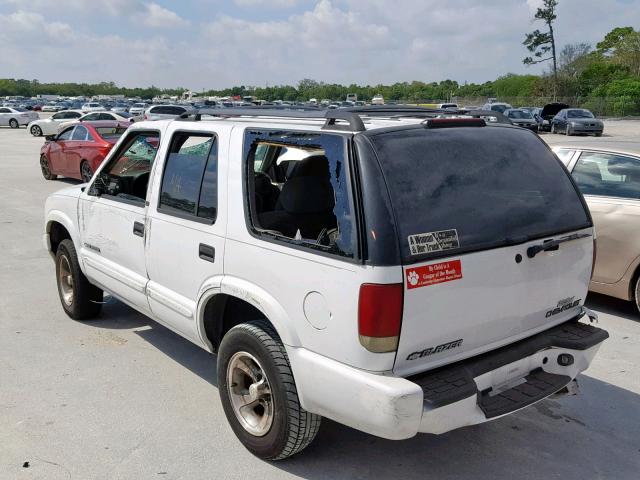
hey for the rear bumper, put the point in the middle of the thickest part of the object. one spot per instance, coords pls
(465, 393)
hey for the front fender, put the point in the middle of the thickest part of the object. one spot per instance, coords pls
(252, 294)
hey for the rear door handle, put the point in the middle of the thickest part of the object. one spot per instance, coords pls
(207, 253)
(138, 229)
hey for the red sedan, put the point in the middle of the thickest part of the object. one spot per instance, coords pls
(79, 149)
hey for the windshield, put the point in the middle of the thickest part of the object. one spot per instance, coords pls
(499, 107)
(579, 114)
(110, 132)
(473, 189)
(519, 114)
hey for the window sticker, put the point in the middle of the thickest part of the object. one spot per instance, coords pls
(433, 274)
(433, 241)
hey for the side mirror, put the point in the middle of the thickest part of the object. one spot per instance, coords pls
(50, 138)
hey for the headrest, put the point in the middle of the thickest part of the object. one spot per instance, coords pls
(306, 195)
(314, 166)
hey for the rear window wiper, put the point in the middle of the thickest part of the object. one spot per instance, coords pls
(553, 244)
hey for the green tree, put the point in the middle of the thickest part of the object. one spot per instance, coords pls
(543, 44)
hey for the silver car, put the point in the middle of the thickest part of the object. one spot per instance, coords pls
(610, 183)
(164, 112)
(16, 116)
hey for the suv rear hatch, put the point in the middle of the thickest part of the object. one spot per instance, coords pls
(469, 205)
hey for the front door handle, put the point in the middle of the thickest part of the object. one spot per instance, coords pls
(138, 229)
(207, 253)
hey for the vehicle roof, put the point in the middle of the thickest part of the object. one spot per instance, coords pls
(105, 123)
(631, 149)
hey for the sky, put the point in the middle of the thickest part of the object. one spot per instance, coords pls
(209, 44)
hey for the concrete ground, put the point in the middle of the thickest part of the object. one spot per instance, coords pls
(124, 398)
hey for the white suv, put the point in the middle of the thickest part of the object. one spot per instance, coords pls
(390, 271)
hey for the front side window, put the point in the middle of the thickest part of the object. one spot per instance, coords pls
(189, 183)
(298, 189)
(608, 175)
(126, 176)
(90, 117)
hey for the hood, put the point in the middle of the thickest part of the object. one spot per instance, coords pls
(552, 109)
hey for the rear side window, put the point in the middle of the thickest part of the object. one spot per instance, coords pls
(457, 190)
(608, 175)
(190, 182)
(298, 190)
(80, 133)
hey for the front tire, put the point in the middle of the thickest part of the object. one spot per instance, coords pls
(80, 299)
(13, 123)
(258, 393)
(36, 131)
(46, 169)
(637, 294)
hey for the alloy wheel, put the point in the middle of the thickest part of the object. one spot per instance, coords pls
(250, 394)
(36, 131)
(65, 280)
(85, 172)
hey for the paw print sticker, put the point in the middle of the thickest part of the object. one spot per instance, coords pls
(413, 278)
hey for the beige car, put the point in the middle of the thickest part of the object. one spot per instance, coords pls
(610, 183)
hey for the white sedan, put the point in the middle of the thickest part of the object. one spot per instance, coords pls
(93, 107)
(93, 116)
(16, 116)
(50, 126)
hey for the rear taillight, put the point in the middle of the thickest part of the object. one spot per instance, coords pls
(380, 316)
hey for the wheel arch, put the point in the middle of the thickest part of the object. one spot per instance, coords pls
(234, 301)
(58, 227)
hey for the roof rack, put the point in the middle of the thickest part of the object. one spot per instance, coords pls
(354, 122)
(425, 112)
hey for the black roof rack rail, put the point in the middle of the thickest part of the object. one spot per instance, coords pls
(403, 111)
(355, 123)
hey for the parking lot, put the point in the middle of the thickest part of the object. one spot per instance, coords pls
(123, 397)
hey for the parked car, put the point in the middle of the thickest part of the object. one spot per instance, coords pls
(499, 107)
(164, 112)
(93, 107)
(548, 112)
(610, 183)
(78, 150)
(51, 125)
(52, 107)
(138, 108)
(521, 118)
(93, 116)
(120, 108)
(16, 116)
(571, 121)
(376, 100)
(267, 263)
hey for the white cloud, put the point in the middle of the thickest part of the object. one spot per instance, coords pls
(156, 16)
(267, 3)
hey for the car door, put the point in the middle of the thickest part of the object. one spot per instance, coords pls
(610, 184)
(4, 116)
(113, 219)
(74, 149)
(187, 219)
(57, 151)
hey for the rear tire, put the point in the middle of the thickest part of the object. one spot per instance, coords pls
(36, 131)
(86, 173)
(46, 169)
(258, 393)
(598, 134)
(13, 123)
(80, 299)
(567, 131)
